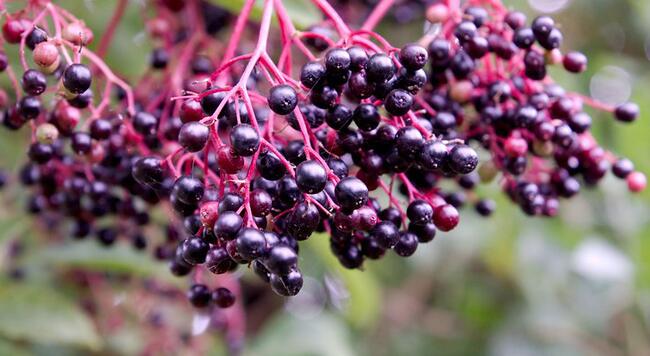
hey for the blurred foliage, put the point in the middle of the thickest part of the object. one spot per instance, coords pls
(303, 13)
(38, 313)
(509, 285)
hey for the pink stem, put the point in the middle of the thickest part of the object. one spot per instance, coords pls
(377, 14)
(110, 29)
(327, 9)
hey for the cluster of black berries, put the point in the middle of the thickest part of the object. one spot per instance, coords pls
(296, 191)
(249, 176)
(61, 155)
(490, 85)
(200, 296)
(72, 172)
(81, 159)
(360, 76)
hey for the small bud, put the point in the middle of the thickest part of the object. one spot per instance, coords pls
(46, 133)
(515, 146)
(553, 57)
(158, 27)
(78, 34)
(461, 91)
(97, 153)
(636, 182)
(487, 171)
(437, 13)
(543, 148)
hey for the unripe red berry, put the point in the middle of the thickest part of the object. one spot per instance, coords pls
(66, 117)
(47, 57)
(158, 27)
(191, 111)
(636, 182)
(461, 91)
(437, 13)
(228, 161)
(13, 29)
(575, 62)
(446, 217)
(208, 213)
(97, 153)
(515, 146)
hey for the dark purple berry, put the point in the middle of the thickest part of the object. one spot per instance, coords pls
(575, 62)
(385, 233)
(311, 177)
(339, 117)
(270, 166)
(622, 168)
(35, 36)
(463, 159)
(312, 74)
(223, 297)
(380, 68)
(195, 250)
(218, 261)
(199, 295)
(419, 212)
(159, 58)
(287, 285)
(283, 99)
(77, 78)
(351, 193)
(413, 57)
(34, 82)
(366, 117)
(228, 225)
(245, 140)
(193, 136)
(627, 112)
(281, 260)
(406, 244)
(337, 60)
(188, 190)
(251, 244)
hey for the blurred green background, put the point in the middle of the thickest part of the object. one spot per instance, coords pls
(509, 285)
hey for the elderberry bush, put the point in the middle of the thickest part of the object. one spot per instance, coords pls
(249, 144)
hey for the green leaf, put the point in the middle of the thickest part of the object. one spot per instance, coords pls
(35, 313)
(12, 226)
(120, 258)
(302, 12)
(9, 348)
(322, 336)
(365, 295)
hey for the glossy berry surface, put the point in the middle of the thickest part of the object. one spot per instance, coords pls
(245, 140)
(351, 193)
(34, 82)
(77, 78)
(282, 99)
(311, 177)
(193, 136)
(223, 297)
(199, 295)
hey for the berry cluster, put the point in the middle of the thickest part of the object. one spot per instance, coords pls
(489, 84)
(253, 159)
(89, 128)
